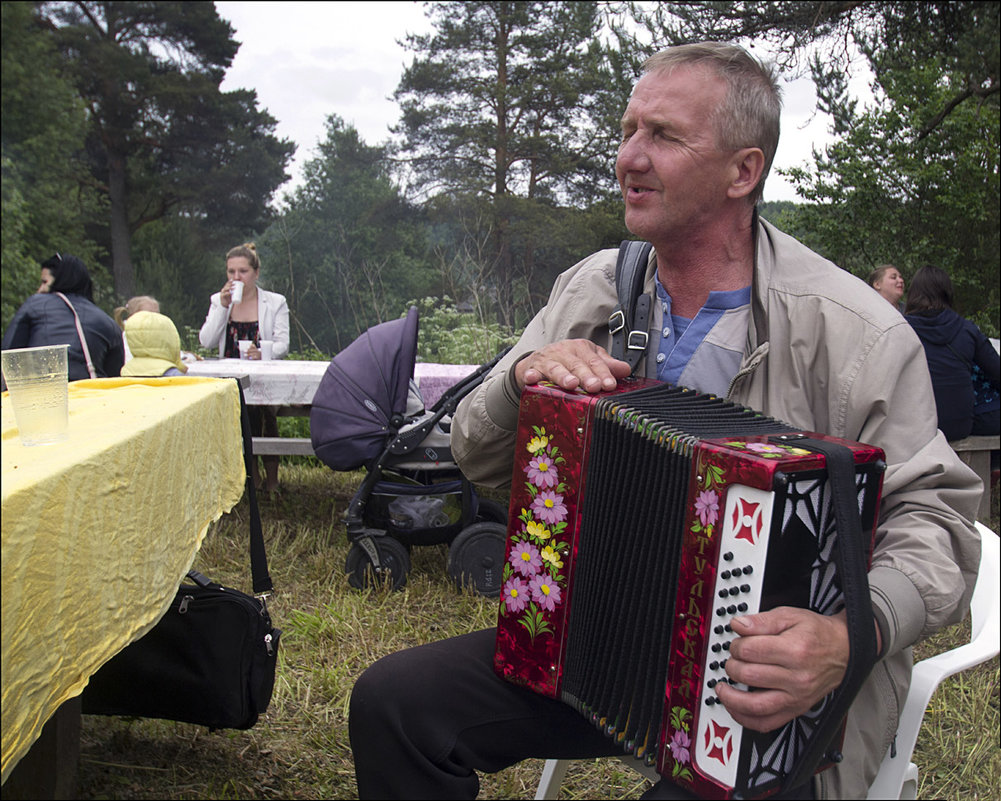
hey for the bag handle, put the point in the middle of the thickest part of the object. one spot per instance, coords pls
(961, 357)
(258, 555)
(79, 331)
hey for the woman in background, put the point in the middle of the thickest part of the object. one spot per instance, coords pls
(953, 346)
(50, 316)
(258, 315)
(888, 282)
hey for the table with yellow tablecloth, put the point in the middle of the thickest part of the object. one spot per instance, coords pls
(99, 529)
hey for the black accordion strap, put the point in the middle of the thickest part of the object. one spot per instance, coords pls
(852, 562)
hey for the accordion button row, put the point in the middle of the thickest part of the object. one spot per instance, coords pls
(730, 591)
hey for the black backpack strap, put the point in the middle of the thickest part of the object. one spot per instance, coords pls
(629, 323)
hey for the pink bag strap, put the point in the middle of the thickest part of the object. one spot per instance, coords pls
(83, 339)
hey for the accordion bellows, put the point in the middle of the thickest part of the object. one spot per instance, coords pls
(641, 522)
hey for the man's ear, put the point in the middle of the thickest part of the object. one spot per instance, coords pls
(747, 164)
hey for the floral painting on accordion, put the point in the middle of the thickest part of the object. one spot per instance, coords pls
(533, 581)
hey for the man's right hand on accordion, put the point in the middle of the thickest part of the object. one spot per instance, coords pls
(792, 658)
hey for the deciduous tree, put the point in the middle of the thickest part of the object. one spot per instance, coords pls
(913, 175)
(345, 250)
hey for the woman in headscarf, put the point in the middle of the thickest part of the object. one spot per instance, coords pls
(63, 312)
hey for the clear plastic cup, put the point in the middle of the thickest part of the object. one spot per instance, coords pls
(267, 349)
(38, 382)
(244, 347)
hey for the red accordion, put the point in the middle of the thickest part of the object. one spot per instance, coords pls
(641, 522)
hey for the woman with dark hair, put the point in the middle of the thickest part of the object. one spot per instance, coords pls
(954, 347)
(62, 312)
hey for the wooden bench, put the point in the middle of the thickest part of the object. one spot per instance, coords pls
(976, 452)
(282, 446)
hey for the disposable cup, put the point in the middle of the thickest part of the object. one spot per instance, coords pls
(37, 379)
(236, 292)
(267, 348)
(244, 347)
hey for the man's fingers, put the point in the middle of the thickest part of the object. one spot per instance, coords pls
(571, 364)
(761, 710)
(551, 370)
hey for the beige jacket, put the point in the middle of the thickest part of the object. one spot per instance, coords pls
(272, 323)
(825, 353)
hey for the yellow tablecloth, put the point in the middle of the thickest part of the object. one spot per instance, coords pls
(99, 529)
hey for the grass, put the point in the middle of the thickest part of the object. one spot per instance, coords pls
(299, 748)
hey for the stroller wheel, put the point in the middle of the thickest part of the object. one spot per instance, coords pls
(491, 512)
(394, 564)
(476, 558)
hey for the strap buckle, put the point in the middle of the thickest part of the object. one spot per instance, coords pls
(616, 321)
(637, 340)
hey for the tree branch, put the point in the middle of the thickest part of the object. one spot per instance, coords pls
(971, 91)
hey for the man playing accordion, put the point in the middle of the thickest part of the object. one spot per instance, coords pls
(745, 312)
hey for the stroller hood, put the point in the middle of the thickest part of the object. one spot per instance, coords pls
(365, 386)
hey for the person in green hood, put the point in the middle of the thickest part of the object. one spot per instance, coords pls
(155, 346)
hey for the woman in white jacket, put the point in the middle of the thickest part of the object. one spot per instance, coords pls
(258, 316)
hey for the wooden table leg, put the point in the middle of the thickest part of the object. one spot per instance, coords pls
(49, 769)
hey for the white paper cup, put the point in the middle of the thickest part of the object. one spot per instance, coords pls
(244, 347)
(37, 379)
(236, 292)
(267, 348)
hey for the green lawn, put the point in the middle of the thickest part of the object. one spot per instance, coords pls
(300, 749)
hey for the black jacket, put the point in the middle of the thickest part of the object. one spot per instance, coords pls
(46, 320)
(952, 346)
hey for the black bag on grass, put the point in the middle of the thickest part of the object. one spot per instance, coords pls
(210, 659)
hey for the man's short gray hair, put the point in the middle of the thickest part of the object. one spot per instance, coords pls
(749, 115)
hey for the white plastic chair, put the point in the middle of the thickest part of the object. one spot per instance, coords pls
(898, 776)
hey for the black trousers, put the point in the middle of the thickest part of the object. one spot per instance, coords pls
(424, 720)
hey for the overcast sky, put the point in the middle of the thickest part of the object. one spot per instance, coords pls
(308, 60)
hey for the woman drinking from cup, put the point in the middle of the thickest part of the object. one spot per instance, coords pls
(241, 310)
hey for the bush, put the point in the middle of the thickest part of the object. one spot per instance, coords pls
(450, 336)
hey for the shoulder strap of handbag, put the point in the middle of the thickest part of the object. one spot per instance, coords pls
(83, 339)
(629, 323)
(960, 356)
(258, 555)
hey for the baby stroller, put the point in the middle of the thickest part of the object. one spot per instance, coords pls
(368, 411)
